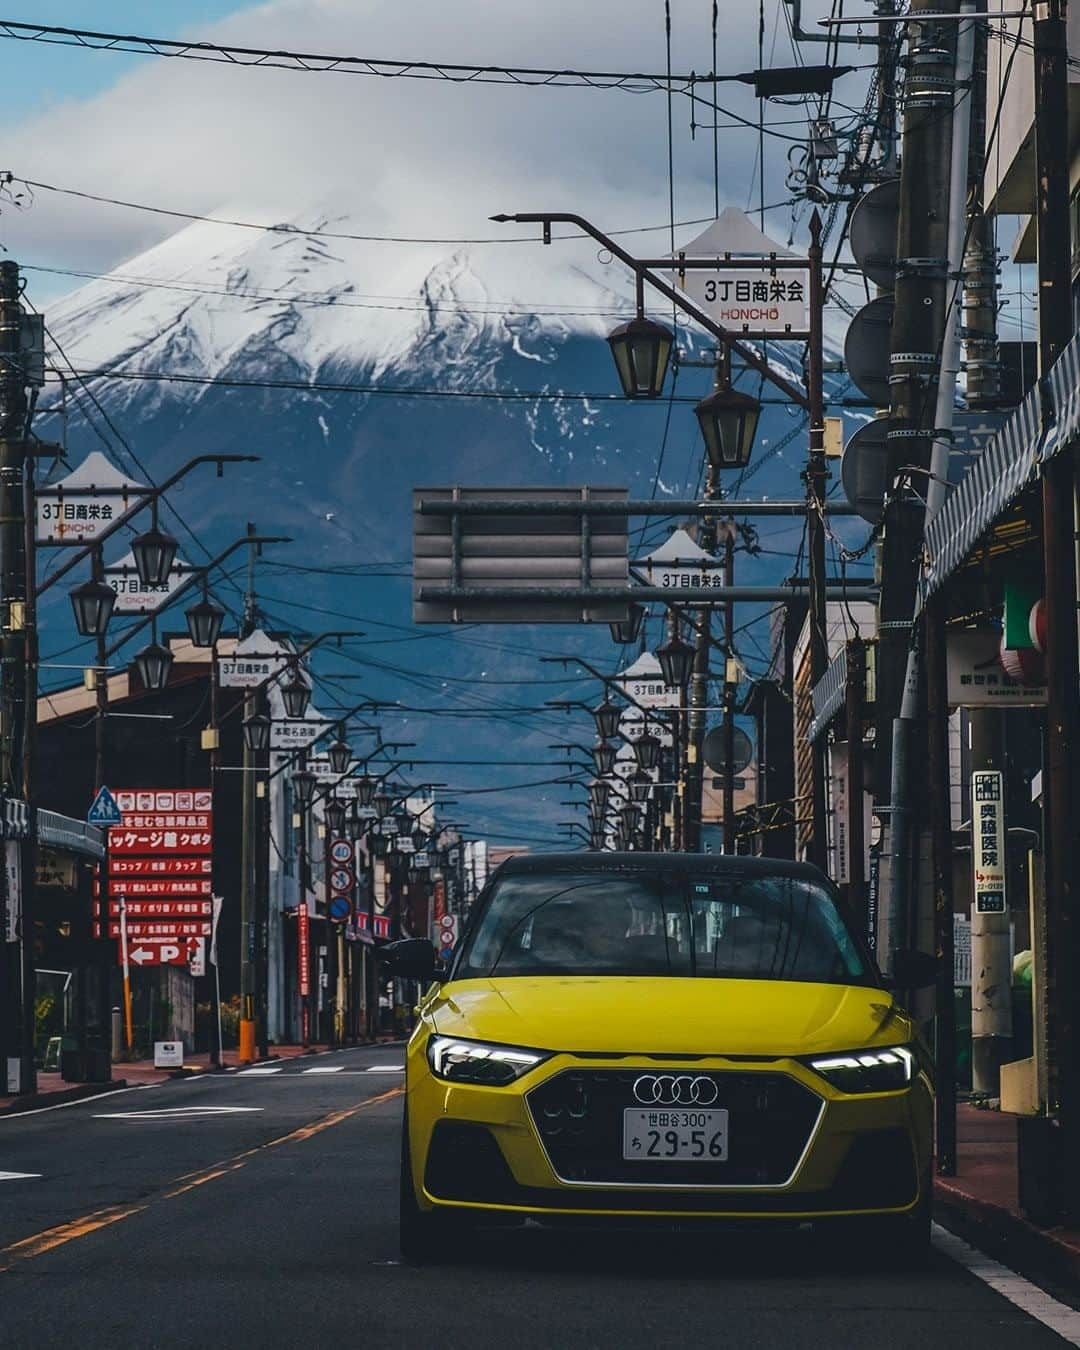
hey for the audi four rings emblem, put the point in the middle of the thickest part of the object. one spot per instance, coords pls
(666, 1089)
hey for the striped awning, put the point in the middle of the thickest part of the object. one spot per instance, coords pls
(1065, 391)
(995, 479)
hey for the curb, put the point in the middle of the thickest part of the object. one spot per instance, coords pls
(81, 1092)
(1008, 1237)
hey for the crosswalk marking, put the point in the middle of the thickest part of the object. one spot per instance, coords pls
(326, 1068)
(387, 1068)
(244, 1073)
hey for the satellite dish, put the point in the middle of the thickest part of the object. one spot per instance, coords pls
(864, 467)
(872, 233)
(866, 349)
(713, 750)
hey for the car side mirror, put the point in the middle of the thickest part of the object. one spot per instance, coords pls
(410, 958)
(913, 970)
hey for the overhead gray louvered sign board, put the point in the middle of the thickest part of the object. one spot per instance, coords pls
(519, 555)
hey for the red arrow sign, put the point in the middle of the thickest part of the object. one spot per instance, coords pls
(163, 954)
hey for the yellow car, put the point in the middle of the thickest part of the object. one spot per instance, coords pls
(625, 1037)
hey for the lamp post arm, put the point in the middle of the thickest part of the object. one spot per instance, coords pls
(677, 298)
(195, 575)
(151, 495)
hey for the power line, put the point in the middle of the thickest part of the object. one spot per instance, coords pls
(315, 63)
(7, 178)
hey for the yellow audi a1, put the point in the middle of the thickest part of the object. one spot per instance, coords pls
(639, 1037)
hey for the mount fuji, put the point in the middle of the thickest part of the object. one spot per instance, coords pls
(351, 369)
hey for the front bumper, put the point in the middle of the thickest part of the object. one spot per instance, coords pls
(800, 1149)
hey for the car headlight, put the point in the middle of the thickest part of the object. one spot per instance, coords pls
(867, 1070)
(480, 1061)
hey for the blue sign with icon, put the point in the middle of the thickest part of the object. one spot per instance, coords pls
(104, 810)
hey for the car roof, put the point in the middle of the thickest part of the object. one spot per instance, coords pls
(716, 864)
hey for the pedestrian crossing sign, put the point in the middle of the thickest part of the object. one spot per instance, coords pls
(104, 810)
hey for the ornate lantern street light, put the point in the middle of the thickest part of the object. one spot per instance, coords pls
(154, 553)
(647, 751)
(640, 787)
(153, 664)
(382, 802)
(303, 783)
(257, 732)
(603, 753)
(625, 631)
(641, 349)
(676, 659)
(340, 757)
(728, 420)
(93, 603)
(204, 621)
(335, 815)
(599, 792)
(607, 715)
(365, 789)
(296, 696)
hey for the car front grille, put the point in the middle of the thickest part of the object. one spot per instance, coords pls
(578, 1115)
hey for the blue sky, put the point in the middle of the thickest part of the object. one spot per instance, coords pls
(36, 78)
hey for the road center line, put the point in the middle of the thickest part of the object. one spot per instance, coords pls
(1028, 1297)
(51, 1238)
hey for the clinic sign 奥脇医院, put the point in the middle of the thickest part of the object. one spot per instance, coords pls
(988, 841)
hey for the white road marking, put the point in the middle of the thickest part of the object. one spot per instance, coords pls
(1028, 1297)
(246, 1073)
(177, 1113)
(326, 1068)
(20, 1176)
(386, 1068)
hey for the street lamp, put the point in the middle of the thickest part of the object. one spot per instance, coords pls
(676, 658)
(380, 845)
(340, 757)
(356, 824)
(334, 811)
(256, 731)
(303, 782)
(728, 420)
(647, 751)
(628, 630)
(296, 696)
(204, 621)
(382, 802)
(599, 792)
(596, 840)
(93, 603)
(365, 789)
(418, 838)
(153, 664)
(640, 787)
(154, 553)
(641, 349)
(603, 753)
(607, 715)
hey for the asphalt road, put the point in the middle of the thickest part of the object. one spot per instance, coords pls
(259, 1209)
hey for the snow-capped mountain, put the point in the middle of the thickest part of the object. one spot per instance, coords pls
(347, 366)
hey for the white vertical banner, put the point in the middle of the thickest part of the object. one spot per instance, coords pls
(12, 889)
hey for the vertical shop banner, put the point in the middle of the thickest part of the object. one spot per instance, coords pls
(988, 840)
(303, 949)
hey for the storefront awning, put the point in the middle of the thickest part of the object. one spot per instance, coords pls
(828, 694)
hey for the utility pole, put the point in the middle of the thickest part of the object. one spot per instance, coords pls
(17, 1015)
(699, 693)
(730, 688)
(817, 477)
(917, 332)
(1062, 774)
(248, 921)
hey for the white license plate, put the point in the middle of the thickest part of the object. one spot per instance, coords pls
(675, 1134)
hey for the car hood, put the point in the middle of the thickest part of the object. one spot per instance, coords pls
(669, 1015)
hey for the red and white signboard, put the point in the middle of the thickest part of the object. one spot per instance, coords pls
(163, 930)
(161, 889)
(160, 909)
(160, 862)
(160, 867)
(183, 952)
(303, 950)
(382, 924)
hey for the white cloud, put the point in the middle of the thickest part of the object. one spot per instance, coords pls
(402, 156)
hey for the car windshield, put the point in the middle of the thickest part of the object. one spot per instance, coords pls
(634, 923)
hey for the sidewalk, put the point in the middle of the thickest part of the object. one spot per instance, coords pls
(981, 1202)
(53, 1091)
